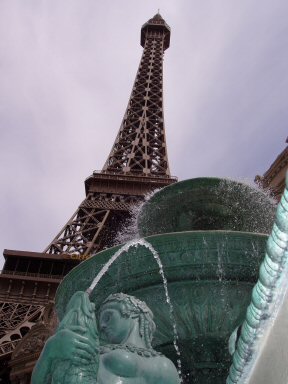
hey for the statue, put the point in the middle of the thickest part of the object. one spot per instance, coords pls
(74, 355)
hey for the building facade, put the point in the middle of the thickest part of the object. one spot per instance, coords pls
(274, 178)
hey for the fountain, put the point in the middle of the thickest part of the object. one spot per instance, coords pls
(210, 235)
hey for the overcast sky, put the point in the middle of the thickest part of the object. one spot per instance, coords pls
(67, 69)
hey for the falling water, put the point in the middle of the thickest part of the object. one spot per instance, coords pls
(242, 198)
(220, 269)
(129, 230)
(155, 254)
(168, 301)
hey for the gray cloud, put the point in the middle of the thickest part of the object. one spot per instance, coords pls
(67, 69)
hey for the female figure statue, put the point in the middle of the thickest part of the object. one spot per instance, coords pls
(73, 354)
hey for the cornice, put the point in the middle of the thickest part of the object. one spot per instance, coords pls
(276, 167)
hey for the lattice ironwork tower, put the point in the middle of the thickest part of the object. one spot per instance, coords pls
(136, 165)
(137, 162)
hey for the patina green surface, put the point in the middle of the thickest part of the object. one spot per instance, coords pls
(73, 354)
(272, 268)
(207, 204)
(210, 277)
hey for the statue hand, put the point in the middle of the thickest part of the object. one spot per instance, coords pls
(71, 344)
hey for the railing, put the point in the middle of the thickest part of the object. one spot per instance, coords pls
(8, 347)
(30, 274)
(26, 298)
(134, 174)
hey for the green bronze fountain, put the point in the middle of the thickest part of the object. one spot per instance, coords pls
(207, 238)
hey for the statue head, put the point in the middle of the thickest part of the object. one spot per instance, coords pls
(118, 314)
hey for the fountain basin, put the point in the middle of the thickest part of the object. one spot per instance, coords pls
(207, 203)
(210, 276)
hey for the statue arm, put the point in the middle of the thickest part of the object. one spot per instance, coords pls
(75, 344)
(66, 344)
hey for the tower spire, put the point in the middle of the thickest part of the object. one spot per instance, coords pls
(140, 146)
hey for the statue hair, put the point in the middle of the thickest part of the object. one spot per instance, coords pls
(135, 308)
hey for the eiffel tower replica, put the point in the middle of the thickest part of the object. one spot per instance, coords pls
(136, 165)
